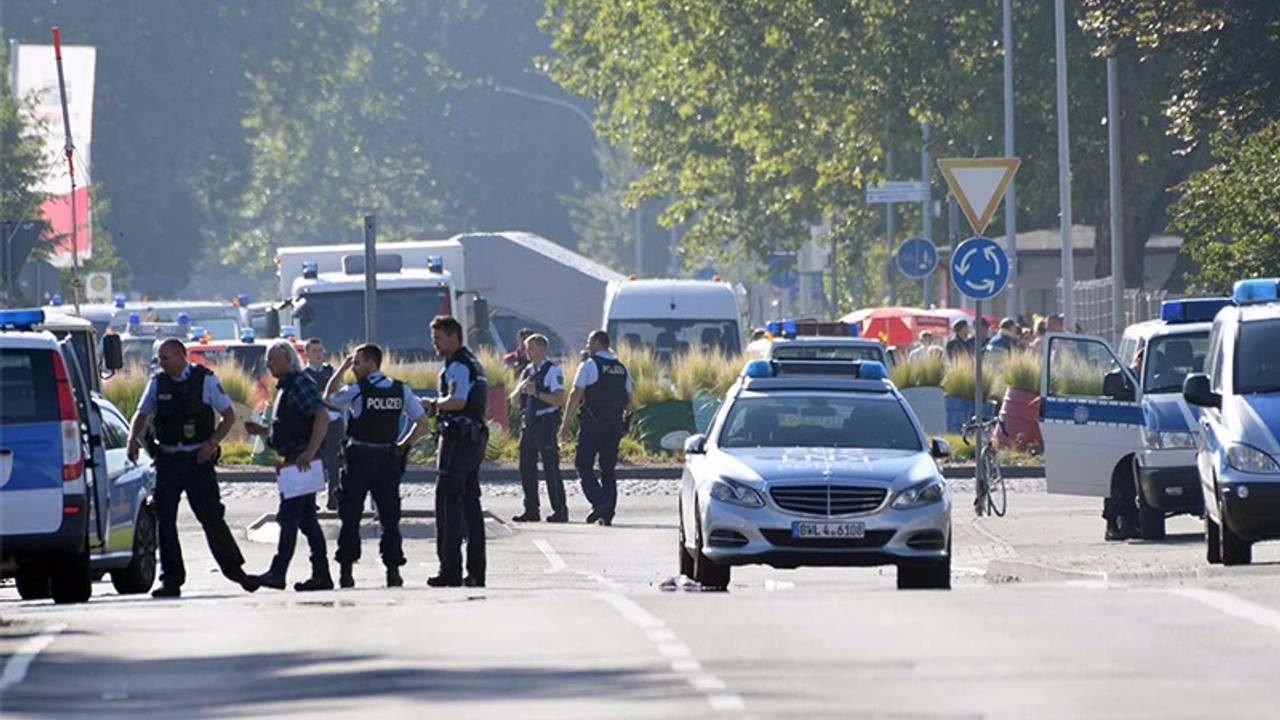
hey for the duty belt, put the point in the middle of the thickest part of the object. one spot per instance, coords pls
(362, 443)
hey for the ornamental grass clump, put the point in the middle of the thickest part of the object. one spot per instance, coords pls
(1021, 371)
(924, 371)
(417, 375)
(125, 388)
(959, 379)
(704, 371)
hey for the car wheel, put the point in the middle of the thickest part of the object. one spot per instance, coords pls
(71, 580)
(933, 576)
(1150, 520)
(1234, 550)
(140, 575)
(33, 583)
(1212, 544)
(709, 574)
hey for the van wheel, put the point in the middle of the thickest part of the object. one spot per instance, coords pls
(1234, 550)
(71, 581)
(33, 583)
(140, 575)
(1212, 541)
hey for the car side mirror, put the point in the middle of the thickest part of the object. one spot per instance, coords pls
(112, 352)
(272, 329)
(939, 448)
(695, 444)
(1116, 386)
(1196, 391)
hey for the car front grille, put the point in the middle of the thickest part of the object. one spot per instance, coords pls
(828, 499)
(783, 538)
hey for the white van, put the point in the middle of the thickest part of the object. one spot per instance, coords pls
(670, 316)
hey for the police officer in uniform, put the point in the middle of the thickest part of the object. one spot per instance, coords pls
(321, 372)
(460, 413)
(372, 453)
(603, 389)
(540, 393)
(180, 400)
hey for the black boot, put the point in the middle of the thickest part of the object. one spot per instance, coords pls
(393, 577)
(345, 579)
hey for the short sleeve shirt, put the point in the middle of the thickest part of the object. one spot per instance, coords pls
(345, 397)
(212, 393)
(589, 372)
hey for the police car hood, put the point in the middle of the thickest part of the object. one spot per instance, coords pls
(890, 468)
(1167, 412)
(1254, 419)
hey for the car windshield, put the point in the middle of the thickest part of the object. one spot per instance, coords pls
(668, 337)
(1257, 367)
(1170, 358)
(848, 420)
(814, 351)
(404, 318)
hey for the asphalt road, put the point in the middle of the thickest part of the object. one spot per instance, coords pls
(1045, 620)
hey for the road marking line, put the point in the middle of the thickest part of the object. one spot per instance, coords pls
(638, 616)
(726, 701)
(1232, 605)
(557, 564)
(675, 650)
(15, 671)
(685, 667)
(663, 635)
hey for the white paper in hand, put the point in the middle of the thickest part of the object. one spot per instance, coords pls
(294, 482)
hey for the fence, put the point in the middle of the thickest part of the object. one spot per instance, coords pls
(1093, 312)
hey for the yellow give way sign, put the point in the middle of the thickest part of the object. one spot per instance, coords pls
(979, 183)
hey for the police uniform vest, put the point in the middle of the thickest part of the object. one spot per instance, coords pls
(380, 408)
(320, 376)
(532, 405)
(477, 399)
(290, 427)
(607, 396)
(182, 417)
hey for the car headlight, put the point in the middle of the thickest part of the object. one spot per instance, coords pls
(735, 493)
(1249, 459)
(1165, 440)
(925, 493)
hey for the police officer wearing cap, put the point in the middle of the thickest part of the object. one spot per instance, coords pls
(373, 456)
(603, 388)
(191, 415)
(321, 372)
(540, 393)
(460, 413)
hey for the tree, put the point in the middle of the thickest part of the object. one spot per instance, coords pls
(21, 158)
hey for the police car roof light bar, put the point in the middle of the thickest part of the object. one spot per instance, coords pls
(119, 301)
(1257, 290)
(247, 335)
(758, 369)
(184, 318)
(21, 319)
(435, 263)
(1192, 310)
(310, 269)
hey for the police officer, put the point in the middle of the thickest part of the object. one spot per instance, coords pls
(298, 429)
(460, 413)
(603, 388)
(540, 393)
(372, 453)
(320, 372)
(182, 398)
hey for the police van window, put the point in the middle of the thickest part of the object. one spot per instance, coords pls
(115, 433)
(1170, 358)
(1257, 362)
(1079, 367)
(27, 390)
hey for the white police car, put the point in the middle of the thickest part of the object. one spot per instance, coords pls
(72, 507)
(1238, 451)
(805, 340)
(804, 467)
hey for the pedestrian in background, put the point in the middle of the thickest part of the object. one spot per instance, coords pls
(460, 411)
(602, 388)
(961, 341)
(372, 456)
(518, 359)
(298, 428)
(540, 393)
(321, 372)
(1005, 340)
(192, 416)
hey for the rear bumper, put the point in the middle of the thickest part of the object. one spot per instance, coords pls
(69, 538)
(1172, 489)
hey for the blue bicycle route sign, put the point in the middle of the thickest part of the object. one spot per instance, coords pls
(917, 257)
(979, 268)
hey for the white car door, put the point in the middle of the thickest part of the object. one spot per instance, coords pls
(1090, 422)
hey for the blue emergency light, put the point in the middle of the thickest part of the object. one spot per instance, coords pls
(135, 318)
(288, 331)
(21, 319)
(56, 300)
(184, 319)
(1191, 310)
(773, 328)
(243, 299)
(853, 329)
(435, 263)
(197, 334)
(310, 269)
(247, 335)
(788, 328)
(1256, 290)
(872, 370)
(758, 369)
(120, 301)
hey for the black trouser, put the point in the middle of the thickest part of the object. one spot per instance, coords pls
(458, 510)
(177, 473)
(599, 437)
(296, 514)
(538, 438)
(331, 454)
(370, 470)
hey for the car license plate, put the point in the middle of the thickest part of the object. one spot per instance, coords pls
(828, 530)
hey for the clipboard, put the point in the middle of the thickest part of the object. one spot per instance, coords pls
(293, 482)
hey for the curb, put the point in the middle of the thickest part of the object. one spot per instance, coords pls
(1015, 571)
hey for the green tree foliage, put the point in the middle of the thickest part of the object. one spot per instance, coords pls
(1232, 210)
(22, 165)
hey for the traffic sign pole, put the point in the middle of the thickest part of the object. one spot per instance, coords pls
(979, 405)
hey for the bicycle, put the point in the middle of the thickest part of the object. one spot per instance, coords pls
(992, 495)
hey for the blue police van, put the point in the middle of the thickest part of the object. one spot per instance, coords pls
(1115, 425)
(1238, 443)
(72, 506)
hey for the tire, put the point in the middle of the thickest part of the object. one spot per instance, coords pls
(33, 583)
(1212, 541)
(686, 559)
(1234, 550)
(934, 576)
(997, 491)
(140, 575)
(709, 574)
(71, 580)
(1150, 520)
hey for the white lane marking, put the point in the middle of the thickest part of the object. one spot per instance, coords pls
(1232, 605)
(662, 635)
(15, 671)
(726, 701)
(557, 564)
(675, 650)
(638, 616)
